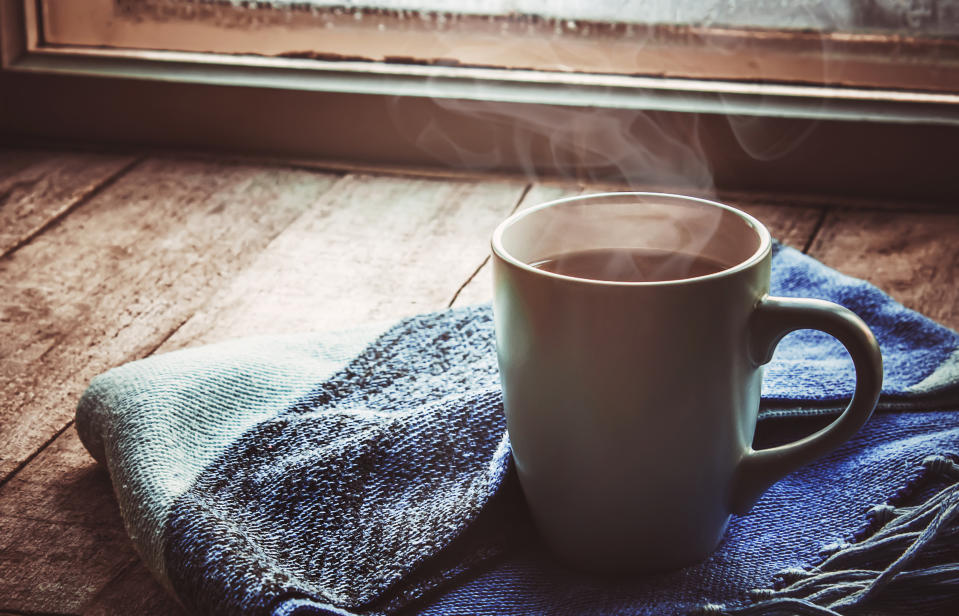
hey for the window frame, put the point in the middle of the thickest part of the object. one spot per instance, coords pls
(94, 84)
(859, 59)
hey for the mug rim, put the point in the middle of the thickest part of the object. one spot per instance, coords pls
(765, 241)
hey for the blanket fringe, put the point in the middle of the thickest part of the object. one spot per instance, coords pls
(903, 552)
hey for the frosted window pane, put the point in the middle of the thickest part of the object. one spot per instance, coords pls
(931, 17)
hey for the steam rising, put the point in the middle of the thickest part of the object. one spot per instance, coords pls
(649, 149)
(592, 145)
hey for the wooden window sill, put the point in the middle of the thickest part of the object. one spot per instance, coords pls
(110, 257)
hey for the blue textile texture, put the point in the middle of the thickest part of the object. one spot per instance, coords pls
(388, 488)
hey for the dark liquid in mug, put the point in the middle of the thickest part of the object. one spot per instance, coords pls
(630, 265)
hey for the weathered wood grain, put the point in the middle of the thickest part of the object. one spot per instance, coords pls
(42, 545)
(370, 249)
(479, 288)
(240, 249)
(37, 187)
(375, 248)
(60, 532)
(913, 256)
(107, 285)
(63, 547)
(134, 591)
(62, 485)
(791, 225)
(14, 160)
(121, 273)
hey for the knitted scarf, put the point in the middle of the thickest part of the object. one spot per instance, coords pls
(369, 472)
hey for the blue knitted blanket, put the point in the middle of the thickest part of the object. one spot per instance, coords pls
(369, 472)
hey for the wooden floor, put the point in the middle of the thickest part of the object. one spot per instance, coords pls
(108, 258)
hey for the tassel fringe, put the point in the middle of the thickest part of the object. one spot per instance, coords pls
(905, 556)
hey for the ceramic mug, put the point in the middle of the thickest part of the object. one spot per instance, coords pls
(631, 406)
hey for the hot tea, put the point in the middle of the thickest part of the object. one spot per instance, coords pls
(630, 265)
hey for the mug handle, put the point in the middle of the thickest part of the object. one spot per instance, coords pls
(773, 318)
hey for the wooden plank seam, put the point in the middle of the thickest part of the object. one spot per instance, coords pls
(82, 199)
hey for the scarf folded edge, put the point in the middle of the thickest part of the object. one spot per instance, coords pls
(843, 577)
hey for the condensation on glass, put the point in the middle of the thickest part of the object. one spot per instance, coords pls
(912, 17)
(906, 44)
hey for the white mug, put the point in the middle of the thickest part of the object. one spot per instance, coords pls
(631, 405)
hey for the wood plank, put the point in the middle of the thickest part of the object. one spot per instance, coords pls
(134, 591)
(375, 248)
(108, 285)
(62, 541)
(791, 225)
(29, 547)
(37, 187)
(118, 275)
(479, 288)
(394, 246)
(912, 256)
(12, 161)
(49, 489)
(371, 249)
(48, 517)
